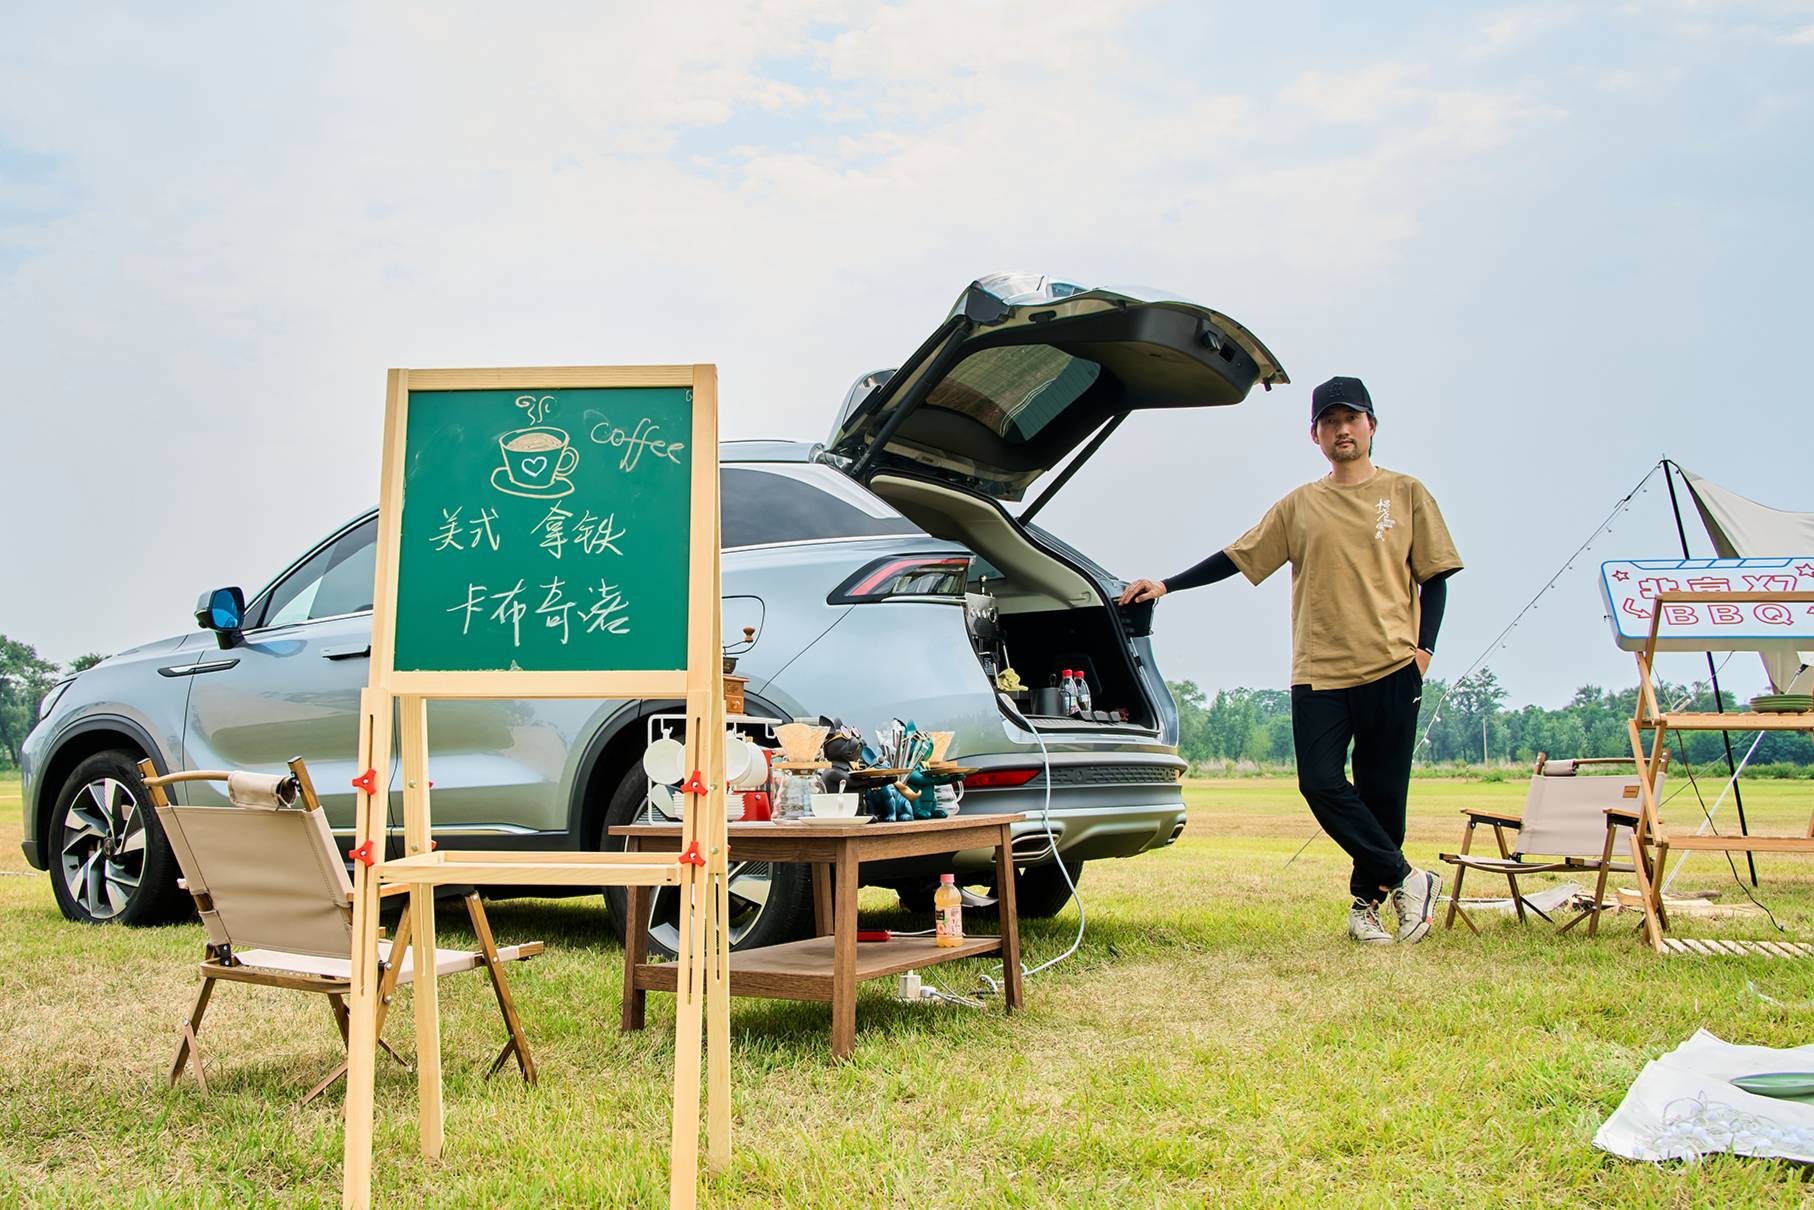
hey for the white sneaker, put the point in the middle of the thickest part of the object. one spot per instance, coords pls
(1364, 925)
(1414, 900)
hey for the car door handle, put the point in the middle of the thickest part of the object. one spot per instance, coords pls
(347, 653)
(198, 669)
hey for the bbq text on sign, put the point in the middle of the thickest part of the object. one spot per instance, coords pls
(1630, 588)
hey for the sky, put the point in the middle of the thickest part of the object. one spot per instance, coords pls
(1558, 241)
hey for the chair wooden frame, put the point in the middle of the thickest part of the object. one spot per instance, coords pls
(220, 964)
(1513, 865)
(1651, 839)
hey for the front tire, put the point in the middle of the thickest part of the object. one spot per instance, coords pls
(770, 902)
(109, 862)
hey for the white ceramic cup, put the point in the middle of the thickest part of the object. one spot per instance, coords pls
(736, 758)
(834, 806)
(755, 774)
(665, 761)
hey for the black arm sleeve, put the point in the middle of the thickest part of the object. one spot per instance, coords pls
(1217, 567)
(1432, 597)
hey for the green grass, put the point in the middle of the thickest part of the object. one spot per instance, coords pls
(1217, 1040)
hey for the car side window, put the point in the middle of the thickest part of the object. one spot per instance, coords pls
(335, 580)
(761, 506)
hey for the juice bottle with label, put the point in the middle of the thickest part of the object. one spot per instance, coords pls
(948, 907)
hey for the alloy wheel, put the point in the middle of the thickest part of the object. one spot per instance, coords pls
(749, 885)
(103, 857)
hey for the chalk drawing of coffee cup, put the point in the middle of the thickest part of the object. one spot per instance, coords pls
(537, 462)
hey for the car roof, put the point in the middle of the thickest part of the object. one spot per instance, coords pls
(766, 450)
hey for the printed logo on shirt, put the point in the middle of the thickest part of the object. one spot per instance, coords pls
(1384, 509)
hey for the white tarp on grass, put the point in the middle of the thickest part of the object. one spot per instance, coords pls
(1683, 1106)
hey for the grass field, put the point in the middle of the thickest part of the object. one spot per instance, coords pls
(1217, 1040)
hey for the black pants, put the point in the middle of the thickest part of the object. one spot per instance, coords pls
(1365, 817)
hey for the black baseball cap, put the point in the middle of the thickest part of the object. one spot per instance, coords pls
(1342, 392)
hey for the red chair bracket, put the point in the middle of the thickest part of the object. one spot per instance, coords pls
(367, 781)
(692, 856)
(362, 854)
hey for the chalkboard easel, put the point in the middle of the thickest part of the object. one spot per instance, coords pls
(548, 532)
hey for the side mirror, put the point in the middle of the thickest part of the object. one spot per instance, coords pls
(223, 611)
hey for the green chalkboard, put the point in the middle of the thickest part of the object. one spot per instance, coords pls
(545, 531)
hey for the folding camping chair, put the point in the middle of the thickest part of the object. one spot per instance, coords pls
(1569, 823)
(276, 901)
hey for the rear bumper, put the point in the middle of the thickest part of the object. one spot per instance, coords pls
(1099, 808)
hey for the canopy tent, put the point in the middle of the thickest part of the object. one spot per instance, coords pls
(1742, 528)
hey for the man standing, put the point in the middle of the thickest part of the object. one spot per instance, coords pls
(1369, 557)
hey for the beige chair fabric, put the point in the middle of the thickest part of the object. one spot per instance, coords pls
(263, 791)
(274, 877)
(1565, 816)
(447, 962)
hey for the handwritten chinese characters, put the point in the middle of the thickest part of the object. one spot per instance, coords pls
(607, 613)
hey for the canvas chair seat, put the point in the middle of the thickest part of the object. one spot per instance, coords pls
(1569, 823)
(447, 962)
(1516, 865)
(274, 896)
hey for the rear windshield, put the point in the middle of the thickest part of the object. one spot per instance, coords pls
(1016, 390)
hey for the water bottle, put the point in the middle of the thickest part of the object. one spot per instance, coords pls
(1067, 695)
(948, 905)
(1083, 693)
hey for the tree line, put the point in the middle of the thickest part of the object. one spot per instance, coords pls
(25, 677)
(1468, 723)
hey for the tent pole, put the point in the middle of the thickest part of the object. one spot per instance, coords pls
(1719, 699)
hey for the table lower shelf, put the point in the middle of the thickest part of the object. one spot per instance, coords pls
(802, 970)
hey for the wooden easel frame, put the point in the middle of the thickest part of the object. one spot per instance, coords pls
(1650, 839)
(703, 1007)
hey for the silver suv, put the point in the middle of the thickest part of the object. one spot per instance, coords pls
(879, 575)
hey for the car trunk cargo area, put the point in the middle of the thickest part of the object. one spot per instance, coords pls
(1039, 644)
(1052, 614)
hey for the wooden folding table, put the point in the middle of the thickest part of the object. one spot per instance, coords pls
(828, 966)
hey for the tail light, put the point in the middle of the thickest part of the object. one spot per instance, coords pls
(999, 779)
(940, 575)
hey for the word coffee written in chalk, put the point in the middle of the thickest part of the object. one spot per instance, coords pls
(643, 437)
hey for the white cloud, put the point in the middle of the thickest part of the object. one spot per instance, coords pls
(1518, 28)
(1363, 96)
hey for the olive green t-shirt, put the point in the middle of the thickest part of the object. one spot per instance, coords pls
(1357, 553)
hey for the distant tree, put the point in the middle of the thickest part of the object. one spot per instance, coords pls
(82, 663)
(25, 677)
(1229, 722)
(1193, 741)
(1476, 699)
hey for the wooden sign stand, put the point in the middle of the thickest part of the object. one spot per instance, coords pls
(1651, 840)
(703, 1005)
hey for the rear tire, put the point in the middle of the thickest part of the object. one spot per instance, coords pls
(1040, 891)
(770, 902)
(109, 862)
